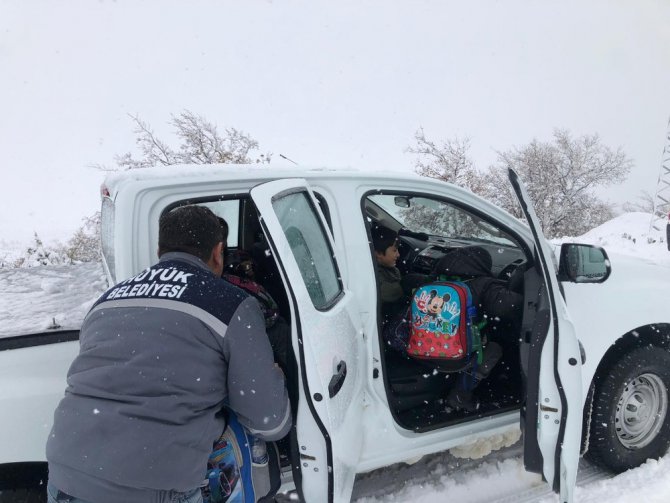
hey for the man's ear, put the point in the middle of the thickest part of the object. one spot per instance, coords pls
(215, 261)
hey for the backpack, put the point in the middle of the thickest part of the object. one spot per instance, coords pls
(442, 326)
(267, 303)
(235, 473)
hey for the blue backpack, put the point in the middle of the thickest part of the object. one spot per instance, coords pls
(233, 475)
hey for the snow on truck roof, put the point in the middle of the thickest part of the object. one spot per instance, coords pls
(203, 172)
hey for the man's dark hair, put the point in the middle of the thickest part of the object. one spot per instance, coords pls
(382, 238)
(189, 229)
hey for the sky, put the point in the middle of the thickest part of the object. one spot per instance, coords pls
(344, 83)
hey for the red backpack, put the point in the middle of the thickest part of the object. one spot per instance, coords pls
(442, 326)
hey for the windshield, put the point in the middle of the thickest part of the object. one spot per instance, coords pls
(438, 218)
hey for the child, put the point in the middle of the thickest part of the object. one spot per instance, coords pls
(385, 244)
(395, 290)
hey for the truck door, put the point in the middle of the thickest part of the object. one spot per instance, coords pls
(552, 419)
(327, 341)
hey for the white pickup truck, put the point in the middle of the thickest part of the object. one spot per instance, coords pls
(588, 371)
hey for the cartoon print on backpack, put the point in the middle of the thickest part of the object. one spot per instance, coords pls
(430, 306)
(441, 325)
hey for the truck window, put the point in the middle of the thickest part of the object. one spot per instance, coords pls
(107, 215)
(229, 210)
(310, 247)
(440, 218)
(429, 227)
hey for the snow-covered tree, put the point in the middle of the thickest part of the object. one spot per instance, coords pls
(644, 203)
(200, 143)
(84, 245)
(561, 178)
(447, 161)
(38, 255)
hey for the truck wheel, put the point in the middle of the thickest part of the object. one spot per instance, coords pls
(630, 421)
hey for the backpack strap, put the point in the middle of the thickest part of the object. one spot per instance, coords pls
(244, 445)
(474, 333)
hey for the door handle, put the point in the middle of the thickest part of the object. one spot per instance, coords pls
(338, 379)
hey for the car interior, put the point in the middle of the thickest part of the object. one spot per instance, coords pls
(428, 229)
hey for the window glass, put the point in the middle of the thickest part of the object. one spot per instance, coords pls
(438, 218)
(107, 234)
(229, 210)
(309, 244)
(323, 206)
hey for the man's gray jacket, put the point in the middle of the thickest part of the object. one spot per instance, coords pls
(160, 354)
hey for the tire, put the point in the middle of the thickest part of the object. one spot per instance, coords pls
(630, 422)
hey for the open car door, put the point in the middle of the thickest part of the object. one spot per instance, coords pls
(552, 417)
(327, 341)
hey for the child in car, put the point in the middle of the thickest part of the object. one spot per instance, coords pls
(385, 243)
(394, 288)
(498, 304)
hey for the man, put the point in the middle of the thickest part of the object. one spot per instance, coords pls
(160, 353)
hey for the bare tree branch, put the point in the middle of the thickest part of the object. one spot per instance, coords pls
(560, 176)
(448, 161)
(200, 143)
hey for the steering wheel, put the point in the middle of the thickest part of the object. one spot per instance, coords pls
(406, 258)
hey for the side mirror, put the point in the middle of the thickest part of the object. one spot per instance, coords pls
(582, 263)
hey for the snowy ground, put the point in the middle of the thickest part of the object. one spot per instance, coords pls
(630, 234)
(31, 300)
(40, 298)
(501, 478)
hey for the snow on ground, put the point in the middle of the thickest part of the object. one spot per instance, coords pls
(630, 234)
(649, 483)
(40, 298)
(501, 478)
(449, 477)
(31, 299)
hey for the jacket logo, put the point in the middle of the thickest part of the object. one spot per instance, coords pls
(146, 284)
